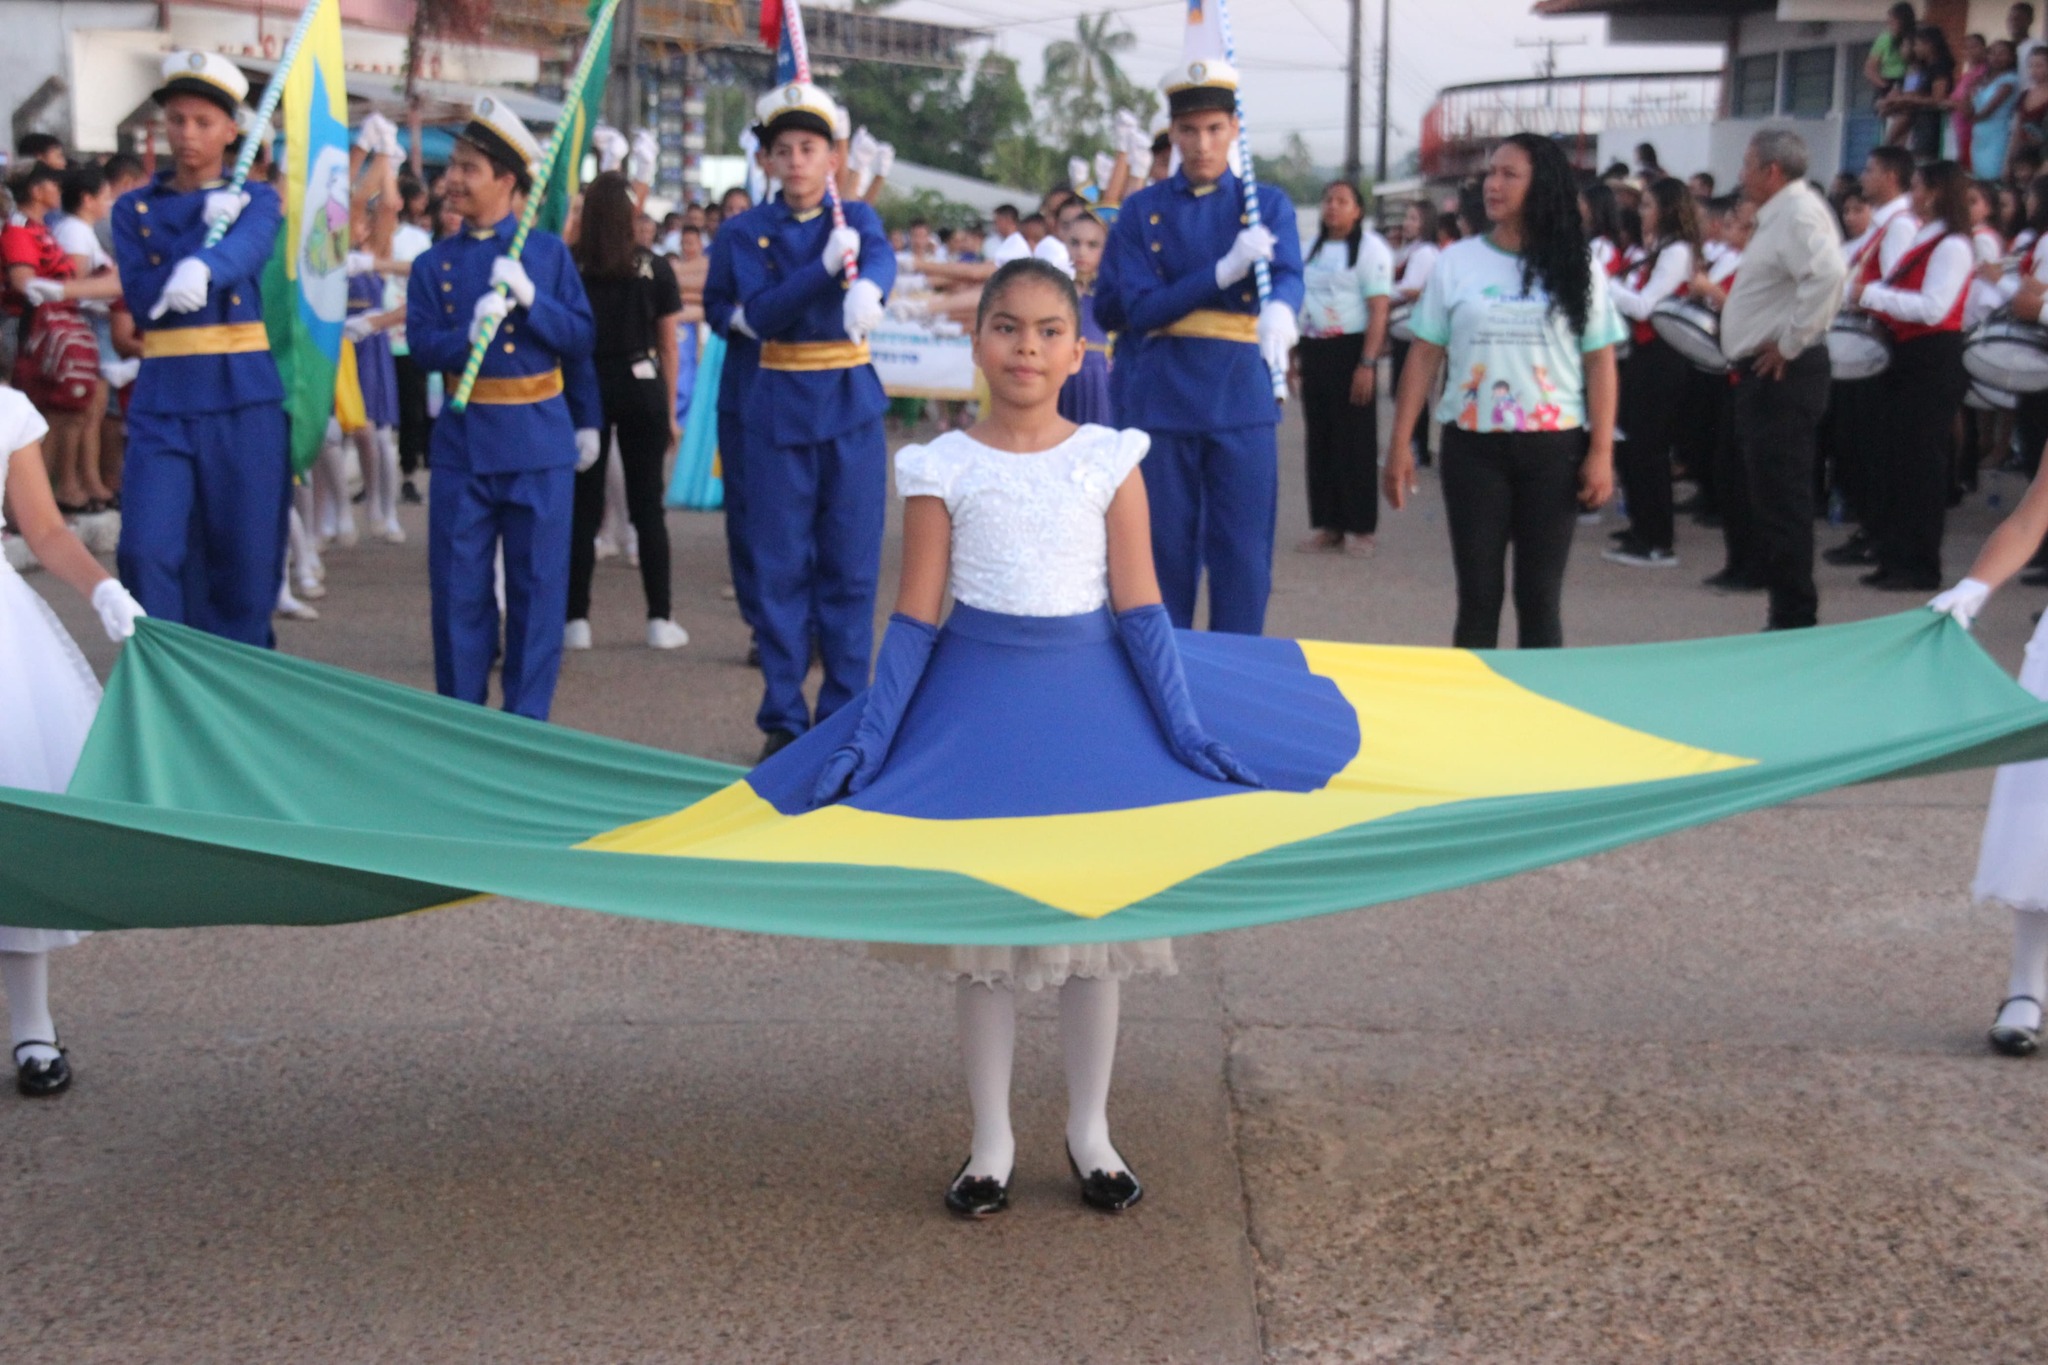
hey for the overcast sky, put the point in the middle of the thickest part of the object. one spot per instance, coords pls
(1292, 53)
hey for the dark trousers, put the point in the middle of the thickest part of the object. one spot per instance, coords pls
(1767, 492)
(1343, 438)
(415, 428)
(1923, 389)
(1697, 441)
(1397, 354)
(1503, 489)
(2030, 428)
(1851, 434)
(637, 427)
(1653, 387)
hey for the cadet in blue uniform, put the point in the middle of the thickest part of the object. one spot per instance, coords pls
(504, 468)
(207, 481)
(1178, 273)
(815, 466)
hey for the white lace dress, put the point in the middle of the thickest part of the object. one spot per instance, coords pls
(1029, 539)
(48, 694)
(2012, 866)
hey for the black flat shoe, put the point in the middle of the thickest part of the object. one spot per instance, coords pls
(2011, 1040)
(980, 1196)
(1729, 581)
(41, 1079)
(1891, 580)
(775, 743)
(1109, 1191)
(1851, 552)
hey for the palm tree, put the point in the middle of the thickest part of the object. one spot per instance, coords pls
(1084, 81)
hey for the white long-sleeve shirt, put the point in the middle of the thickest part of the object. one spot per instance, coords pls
(1672, 272)
(2009, 283)
(1895, 226)
(1415, 270)
(1989, 249)
(1948, 275)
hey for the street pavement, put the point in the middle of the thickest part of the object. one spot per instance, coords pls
(1719, 1097)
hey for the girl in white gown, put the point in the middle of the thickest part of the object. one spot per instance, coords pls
(47, 699)
(2012, 865)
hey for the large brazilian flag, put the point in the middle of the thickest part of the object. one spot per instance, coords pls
(227, 785)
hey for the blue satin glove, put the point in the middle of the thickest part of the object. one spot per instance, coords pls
(1148, 640)
(906, 649)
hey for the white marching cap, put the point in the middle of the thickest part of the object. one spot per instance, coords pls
(501, 133)
(803, 105)
(205, 74)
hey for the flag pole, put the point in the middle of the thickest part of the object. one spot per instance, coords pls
(1262, 274)
(793, 15)
(572, 96)
(252, 143)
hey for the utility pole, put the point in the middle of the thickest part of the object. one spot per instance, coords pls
(1353, 97)
(1386, 67)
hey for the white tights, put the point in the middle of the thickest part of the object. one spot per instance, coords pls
(2029, 969)
(26, 979)
(988, 1044)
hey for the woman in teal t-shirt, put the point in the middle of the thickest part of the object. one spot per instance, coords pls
(1525, 322)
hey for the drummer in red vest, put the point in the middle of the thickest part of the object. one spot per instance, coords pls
(1921, 301)
(1654, 377)
(2024, 290)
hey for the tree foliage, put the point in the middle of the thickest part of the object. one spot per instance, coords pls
(1085, 85)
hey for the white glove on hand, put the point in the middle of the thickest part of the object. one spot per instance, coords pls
(118, 609)
(491, 309)
(1253, 245)
(224, 204)
(119, 374)
(587, 448)
(610, 145)
(861, 152)
(645, 157)
(40, 291)
(1105, 167)
(513, 276)
(840, 243)
(1963, 601)
(1278, 331)
(359, 263)
(370, 137)
(862, 311)
(185, 291)
(1080, 175)
(885, 159)
(358, 327)
(738, 323)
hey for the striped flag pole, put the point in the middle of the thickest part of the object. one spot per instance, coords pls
(252, 142)
(793, 15)
(1262, 274)
(572, 95)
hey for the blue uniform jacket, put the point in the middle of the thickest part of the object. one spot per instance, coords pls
(779, 277)
(742, 352)
(504, 438)
(1160, 266)
(155, 227)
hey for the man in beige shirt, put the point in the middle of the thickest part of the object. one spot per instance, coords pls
(1785, 296)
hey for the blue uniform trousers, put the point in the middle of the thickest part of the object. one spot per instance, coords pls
(469, 517)
(1214, 496)
(205, 499)
(732, 467)
(814, 532)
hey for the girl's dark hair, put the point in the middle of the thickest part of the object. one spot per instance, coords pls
(80, 184)
(605, 248)
(1678, 217)
(1903, 15)
(1472, 219)
(1028, 268)
(1944, 63)
(1554, 252)
(1605, 211)
(1357, 234)
(1631, 221)
(1951, 189)
(1447, 229)
(1426, 211)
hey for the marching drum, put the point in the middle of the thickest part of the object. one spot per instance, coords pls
(1693, 330)
(1984, 398)
(1859, 346)
(2005, 353)
(1398, 326)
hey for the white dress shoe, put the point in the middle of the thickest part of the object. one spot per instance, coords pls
(576, 635)
(663, 633)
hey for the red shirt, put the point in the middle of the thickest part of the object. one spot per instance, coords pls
(30, 243)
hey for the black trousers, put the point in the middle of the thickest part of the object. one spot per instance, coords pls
(637, 427)
(1343, 438)
(2030, 426)
(1923, 389)
(1697, 442)
(415, 428)
(1768, 488)
(1397, 355)
(1850, 436)
(1518, 489)
(1653, 388)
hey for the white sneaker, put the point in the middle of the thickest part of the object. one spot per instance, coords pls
(292, 609)
(346, 536)
(312, 588)
(391, 533)
(576, 635)
(663, 633)
(607, 548)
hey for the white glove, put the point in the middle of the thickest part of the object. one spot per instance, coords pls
(491, 309)
(587, 447)
(1080, 175)
(358, 327)
(118, 609)
(1253, 245)
(1127, 135)
(1278, 331)
(119, 374)
(40, 291)
(645, 157)
(224, 205)
(861, 152)
(738, 323)
(862, 311)
(1963, 601)
(387, 141)
(185, 291)
(1105, 167)
(885, 159)
(508, 272)
(840, 243)
(370, 137)
(359, 263)
(610, 145)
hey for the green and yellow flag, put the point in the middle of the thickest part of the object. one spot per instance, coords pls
(567, 177)
(305, 287)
